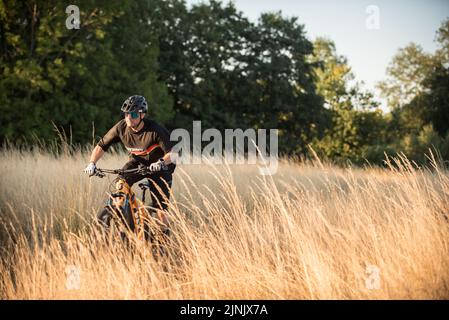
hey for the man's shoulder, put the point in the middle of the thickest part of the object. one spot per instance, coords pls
(119, 128)
(121, 125)
(153, 125)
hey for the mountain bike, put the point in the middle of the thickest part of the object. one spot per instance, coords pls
(126, 212)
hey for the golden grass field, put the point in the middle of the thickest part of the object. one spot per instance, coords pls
(312, 231)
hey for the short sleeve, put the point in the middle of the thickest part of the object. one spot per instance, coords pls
(110, 138)
(163, 139)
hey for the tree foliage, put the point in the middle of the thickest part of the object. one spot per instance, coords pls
(73, 77)
(355, 121)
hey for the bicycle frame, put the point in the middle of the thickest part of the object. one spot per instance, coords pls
(124, 199)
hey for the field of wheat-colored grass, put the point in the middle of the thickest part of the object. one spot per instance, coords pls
(311, 231)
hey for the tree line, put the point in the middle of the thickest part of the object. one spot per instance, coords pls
(209, 62)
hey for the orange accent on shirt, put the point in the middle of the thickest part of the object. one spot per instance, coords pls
(145, 152)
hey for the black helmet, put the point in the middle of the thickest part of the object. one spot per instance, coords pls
(135, 104)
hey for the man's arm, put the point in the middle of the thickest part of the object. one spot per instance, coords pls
(163, 139)
(97, 153)
(170, 157)
(110, 138)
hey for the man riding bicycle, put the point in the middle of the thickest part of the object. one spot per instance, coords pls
(141, 137)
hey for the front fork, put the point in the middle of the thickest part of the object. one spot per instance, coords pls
(124, 200)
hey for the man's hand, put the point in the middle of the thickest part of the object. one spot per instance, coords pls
(157, 166)
(91, 169)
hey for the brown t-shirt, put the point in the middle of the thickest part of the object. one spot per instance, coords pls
(138, 143)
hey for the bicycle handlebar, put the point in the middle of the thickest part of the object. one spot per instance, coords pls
(141, 169)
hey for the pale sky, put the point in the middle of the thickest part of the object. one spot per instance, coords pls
(344, 22)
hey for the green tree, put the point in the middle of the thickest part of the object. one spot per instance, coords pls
(204, 69)
(417, 86)
(355, 121)
(418, 93)
(77, 77)
(442, 39)
(228, 72)
(432, 106)
(285, 94)
(405, 75)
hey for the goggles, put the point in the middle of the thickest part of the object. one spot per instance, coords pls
(133, 114)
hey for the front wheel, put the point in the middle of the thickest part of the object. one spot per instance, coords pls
(104, 217)
(110, 218)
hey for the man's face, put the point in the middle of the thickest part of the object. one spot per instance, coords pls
(132, 119)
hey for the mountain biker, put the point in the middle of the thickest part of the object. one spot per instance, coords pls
(140, 136)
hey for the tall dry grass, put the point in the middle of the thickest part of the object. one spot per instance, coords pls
(312, 231)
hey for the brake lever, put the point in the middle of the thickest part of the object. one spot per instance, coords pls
(99, 174)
